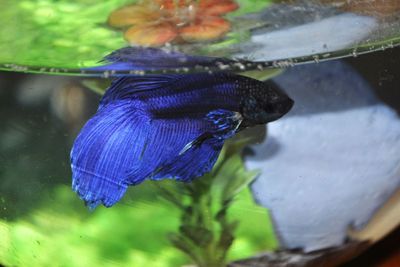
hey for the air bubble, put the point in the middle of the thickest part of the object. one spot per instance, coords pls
(106, 74)
(240, 66)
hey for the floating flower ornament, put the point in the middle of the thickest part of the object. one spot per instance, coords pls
(154, 23)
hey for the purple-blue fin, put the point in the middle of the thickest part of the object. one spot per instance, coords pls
(199, 155)
(195, 162)
(105, 149)
(226, 122)
(166, 140)
(153, 59)
(126, 87)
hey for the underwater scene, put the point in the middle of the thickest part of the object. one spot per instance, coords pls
(200, 133)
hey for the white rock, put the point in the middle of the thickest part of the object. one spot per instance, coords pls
(331, 162)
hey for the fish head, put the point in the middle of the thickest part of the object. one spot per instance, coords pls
(264, 102)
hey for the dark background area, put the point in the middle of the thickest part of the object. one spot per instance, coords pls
(385, 253)
(382, 70)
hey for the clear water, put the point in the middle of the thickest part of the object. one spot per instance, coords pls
(65, 36)
(44, 223)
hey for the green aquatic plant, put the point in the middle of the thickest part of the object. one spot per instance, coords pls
(68, 34)
(206, 232)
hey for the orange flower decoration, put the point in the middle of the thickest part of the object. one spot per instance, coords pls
(154, 23)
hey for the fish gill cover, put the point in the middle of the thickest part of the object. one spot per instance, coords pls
(165, 126)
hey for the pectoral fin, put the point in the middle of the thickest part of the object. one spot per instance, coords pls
(225, 122)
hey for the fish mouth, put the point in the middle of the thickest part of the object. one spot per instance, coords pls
(289, 103)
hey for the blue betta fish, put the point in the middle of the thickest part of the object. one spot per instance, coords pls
(166, 126)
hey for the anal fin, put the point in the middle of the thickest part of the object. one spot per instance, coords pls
(195, 161)
(199, 156)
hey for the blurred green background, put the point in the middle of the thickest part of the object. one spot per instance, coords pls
(67, 33)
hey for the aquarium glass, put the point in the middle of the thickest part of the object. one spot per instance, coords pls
(183, 89)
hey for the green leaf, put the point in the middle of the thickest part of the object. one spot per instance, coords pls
(169, 192)
(249, 6)
(57, 33)
(227, 236)
(182, 244)
(237, 185)
(233, 178)
(201, 236)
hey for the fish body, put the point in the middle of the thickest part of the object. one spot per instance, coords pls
(193, 95)
(166, 126)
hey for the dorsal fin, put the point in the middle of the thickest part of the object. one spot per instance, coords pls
(127, 86)
(155, 59)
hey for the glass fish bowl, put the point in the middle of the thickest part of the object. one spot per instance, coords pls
(199, 133)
